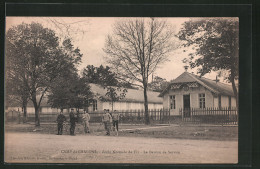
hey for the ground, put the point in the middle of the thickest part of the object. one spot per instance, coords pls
(208, 132)
(135, 144)
(36, 148)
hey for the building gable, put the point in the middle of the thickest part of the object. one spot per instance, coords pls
(192, 80)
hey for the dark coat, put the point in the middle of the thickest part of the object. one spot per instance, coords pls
(73, 117)
(61, 118)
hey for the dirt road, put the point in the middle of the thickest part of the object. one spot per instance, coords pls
(42, 148)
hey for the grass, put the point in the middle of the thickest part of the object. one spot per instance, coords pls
(180, 132)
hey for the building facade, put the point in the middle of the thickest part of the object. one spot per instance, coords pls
(133, 100)
(190, 91)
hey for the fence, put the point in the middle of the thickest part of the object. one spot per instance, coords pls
(137, 116)
(127, 116)
(226, 115)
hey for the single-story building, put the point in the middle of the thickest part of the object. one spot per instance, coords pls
(133, 100)
(191, 91)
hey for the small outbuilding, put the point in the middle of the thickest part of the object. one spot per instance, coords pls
(191, 91)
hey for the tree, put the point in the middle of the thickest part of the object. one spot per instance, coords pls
(158, 84)
(103, 76)
(99, 75)
(41, 58)
(80, 94)
(69, 91)
(114, 94)
(136, 48)
(216, 44)
(16, 91)
(16, 94)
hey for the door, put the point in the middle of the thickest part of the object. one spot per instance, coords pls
(186, 105)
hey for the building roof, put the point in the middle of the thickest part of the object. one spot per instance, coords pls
(213, 86)
(132, 95)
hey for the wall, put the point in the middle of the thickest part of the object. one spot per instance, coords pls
(100, 107)
(194, 98)
(30, 110)
(224, 101)
(166, 101)
(215, 104)
(233, 102)
(130, 106)
(49, 110)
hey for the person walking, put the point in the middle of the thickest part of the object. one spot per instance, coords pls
(107, 119)
(115, 118)
(73, 119)
(60, 119)
(86, 118)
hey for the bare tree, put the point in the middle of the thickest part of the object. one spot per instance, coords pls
(74, 29)
(136, 48)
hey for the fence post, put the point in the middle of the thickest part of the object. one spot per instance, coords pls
(168, 112)
(226, 116)
(181, 114)
(160, 115)
(237, 115)
(208, 115)
(191, 119)
(156, 117)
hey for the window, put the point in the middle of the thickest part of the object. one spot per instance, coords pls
(202, 100)
(219, 101)
(172, 102)
(229, 101)
(94, 105)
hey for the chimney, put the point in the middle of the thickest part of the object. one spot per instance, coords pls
(186, 68)
(217, 79)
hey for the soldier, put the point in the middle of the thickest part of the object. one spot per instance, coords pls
(73, 119)
(60, 119)
(107, 119)
(19, 116)
(115, 117)
(86, 118)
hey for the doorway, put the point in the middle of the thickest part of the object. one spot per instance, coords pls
(186, 105)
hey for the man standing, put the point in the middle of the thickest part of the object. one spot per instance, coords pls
(60, 119)
(107, 119)
(19, 116)
(73, 119)
(115, 117)
(86, 118)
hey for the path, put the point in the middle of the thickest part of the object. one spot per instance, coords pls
(36, 148)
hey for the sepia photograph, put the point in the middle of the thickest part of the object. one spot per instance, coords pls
(136, 90)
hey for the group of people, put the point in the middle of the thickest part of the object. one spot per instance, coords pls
(107, 119)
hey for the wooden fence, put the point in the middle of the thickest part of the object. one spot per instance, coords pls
(225, 115)
(127, 116)
(137, 116)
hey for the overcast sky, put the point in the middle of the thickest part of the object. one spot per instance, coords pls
(89, 34)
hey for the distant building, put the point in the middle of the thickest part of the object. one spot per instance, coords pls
(191, 91)
(134, 100)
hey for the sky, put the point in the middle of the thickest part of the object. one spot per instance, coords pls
(89, 34)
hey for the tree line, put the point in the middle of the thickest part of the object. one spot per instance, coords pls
(38, 63)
